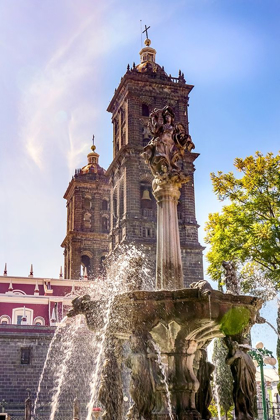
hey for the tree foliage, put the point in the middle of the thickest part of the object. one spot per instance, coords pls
(247, 230)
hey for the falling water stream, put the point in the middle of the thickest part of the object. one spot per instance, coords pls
(99, 359)
(274, 329)
(216, 395)
(62, 369)
(123, 272)
(163, 372)
(57, 331)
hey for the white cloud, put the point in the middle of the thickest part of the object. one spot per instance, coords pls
(54, 103)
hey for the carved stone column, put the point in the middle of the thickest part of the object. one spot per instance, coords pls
(169, 274)
(165, 156)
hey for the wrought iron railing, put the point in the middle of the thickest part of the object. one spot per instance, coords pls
(273, 411)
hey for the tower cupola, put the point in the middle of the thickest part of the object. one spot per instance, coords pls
(147, 53)
(148, 63)
(92, 157)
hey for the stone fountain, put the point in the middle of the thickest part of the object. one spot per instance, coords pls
(161, 336)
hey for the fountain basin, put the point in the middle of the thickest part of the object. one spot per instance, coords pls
(170, 329)
(189, 308)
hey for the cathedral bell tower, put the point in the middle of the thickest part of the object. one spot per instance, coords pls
(88, 222)
(143, 88)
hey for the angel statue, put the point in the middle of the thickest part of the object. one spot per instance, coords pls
(168, 143)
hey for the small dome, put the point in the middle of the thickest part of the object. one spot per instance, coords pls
(147, 67)
(148, 60)
(92, 165)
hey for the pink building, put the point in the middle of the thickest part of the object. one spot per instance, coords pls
(35, 301)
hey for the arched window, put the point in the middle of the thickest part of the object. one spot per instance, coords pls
(87, 203)
(39, 320)
(105, 224)
(145, 110)
(18, 292)
(146, 196)
(104, 204)
(5, 319)
(85, 262)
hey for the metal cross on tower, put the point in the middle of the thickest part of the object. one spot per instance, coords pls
(146, 30)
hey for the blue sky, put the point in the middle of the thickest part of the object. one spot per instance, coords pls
(60, 64)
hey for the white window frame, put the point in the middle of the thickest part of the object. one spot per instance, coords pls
(20, 311)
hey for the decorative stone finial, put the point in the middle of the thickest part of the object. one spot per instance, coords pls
(31, 271)
(231, 280)
(60, 273)
(5, 270)
(36, 290)
(54, 317)
(73, 289)
(10, 289)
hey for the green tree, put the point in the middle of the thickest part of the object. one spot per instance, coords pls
(223, 376)
(247, 230)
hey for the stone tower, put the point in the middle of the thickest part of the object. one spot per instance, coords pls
(133, 208)
(88, 221)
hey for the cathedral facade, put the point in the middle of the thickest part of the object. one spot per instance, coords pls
(106, 209)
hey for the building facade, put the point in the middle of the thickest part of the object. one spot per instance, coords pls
(30, 310)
